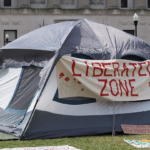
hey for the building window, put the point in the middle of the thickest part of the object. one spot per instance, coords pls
(9, 36)
(96, 2)
(59, 21)
(37, 1)
(129, 31)
(7, 2)
(67, 2)
(148, 3)
(124, 3)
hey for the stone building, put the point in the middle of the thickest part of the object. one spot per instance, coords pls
(18, 17)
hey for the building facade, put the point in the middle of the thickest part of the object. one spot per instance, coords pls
(18, 17)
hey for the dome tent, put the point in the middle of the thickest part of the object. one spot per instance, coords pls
(28, 83)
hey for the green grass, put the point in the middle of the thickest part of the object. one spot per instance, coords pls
(85, 143)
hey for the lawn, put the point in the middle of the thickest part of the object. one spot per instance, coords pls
(106, 142)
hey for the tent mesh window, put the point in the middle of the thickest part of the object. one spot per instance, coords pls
(7, 2)
(27, 88)
(124, 3)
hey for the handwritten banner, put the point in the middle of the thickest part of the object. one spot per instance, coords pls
(136, 129)
(114, 80)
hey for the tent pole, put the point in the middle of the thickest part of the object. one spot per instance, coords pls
(42, 88)
(113, 128)
(21, 136)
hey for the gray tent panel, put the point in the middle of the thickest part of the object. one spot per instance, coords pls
(9, 118)
(55, 125)
(11, 130)
(27, 88)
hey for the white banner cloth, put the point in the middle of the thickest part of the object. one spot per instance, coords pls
(114, 80)
(66, 147)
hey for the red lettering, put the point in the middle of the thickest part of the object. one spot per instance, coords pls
(125, 88)
(137, 130)
(144, 131)
(132, 87)
(99, 68)
(87, 69)
(125, 130)
(104, 64)
(148, 130)
(105, 83)
(134, 65)
(141, 69)
(129, 130)
(125, 69)
(116, 68)
(148, 66)
(113, 80)
(73, 66)
(140, 131)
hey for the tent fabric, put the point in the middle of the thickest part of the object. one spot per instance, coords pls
(21, 85)
(100, 107)
(27, 88)
(10, 119)
(22, 58)
(54, 119)
(11, 130)
(48, 38)
(46, 118)
(86, 37)
(64, 126)
(100, 42)
(36, 47)
(9, 79)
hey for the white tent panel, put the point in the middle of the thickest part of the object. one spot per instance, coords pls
(31, 107)
(46, 102)
(100, 107)
(9, 79)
